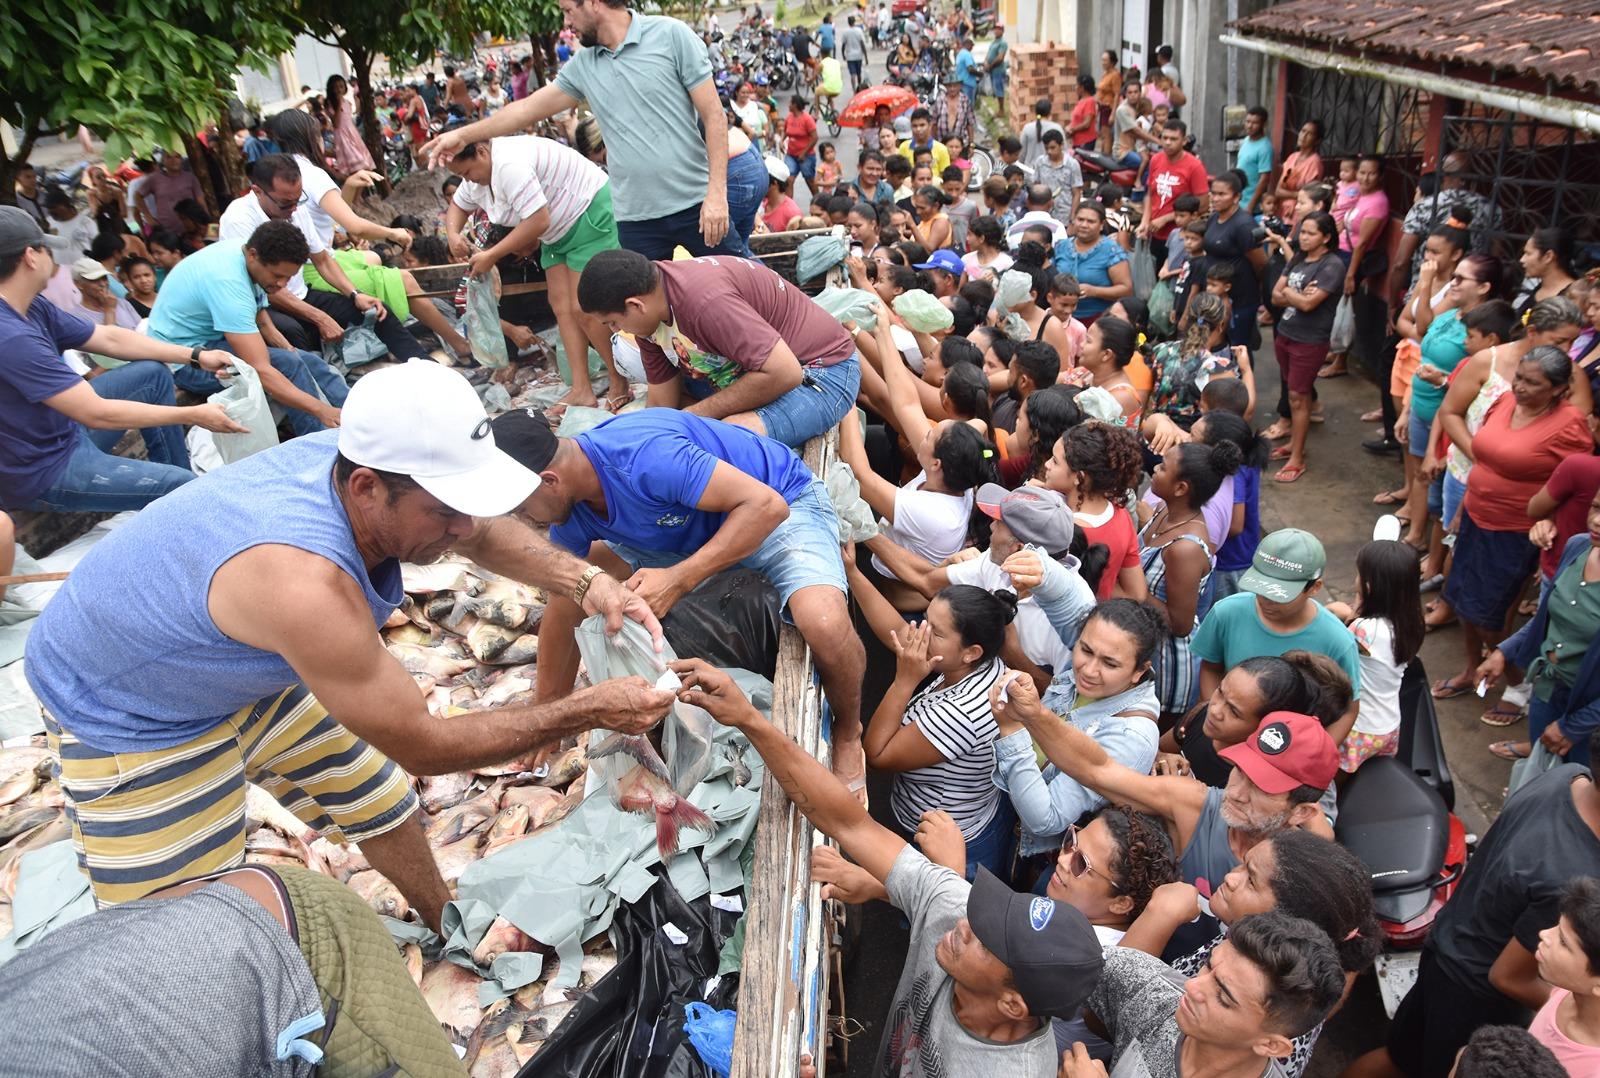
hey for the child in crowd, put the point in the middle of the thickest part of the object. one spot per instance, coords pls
(1244, 521)
(1347, 191)
(960, 209)
(1185, 208)
(1569, 961)
(1062, 331)
(1093, 466)
(139, 277)
(1219, 282)
(828, 172)
(1387, 623)
(1191, 271)
(1119, 223)
(958, 155)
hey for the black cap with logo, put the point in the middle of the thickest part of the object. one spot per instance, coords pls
(1050, 947)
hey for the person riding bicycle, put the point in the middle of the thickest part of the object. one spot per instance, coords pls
(830, 84)
(800, 42)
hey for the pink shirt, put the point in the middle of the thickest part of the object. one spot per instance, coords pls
(1575, 1057)
(1367, 207)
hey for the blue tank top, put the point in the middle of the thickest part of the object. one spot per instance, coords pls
(126, 656)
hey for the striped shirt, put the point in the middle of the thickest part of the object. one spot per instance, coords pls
(957, 721)
(527, 174)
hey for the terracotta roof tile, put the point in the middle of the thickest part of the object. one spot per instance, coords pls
(1556, 39)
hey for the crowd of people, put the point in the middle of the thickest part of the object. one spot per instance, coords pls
(1122, 710)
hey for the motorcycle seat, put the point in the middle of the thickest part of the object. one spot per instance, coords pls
(1395, 823)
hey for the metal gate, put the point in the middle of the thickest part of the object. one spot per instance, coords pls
(1362, 116)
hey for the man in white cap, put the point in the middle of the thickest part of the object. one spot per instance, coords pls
(96, 301)
(230, 634)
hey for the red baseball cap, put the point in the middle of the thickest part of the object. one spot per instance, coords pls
(1287, 750)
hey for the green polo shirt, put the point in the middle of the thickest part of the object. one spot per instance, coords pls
(1574, 609)
(640, 94)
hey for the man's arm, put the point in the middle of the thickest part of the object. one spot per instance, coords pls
(271, 333)
(820, 796)
(304, 608)
(1515, 975)
(327, 328)
(714, 210)
(253, 350)
(83, 404)
(516, 117)
(780, 373)
(116, 342)
(334, 274)
(753, 510)
(510, 548)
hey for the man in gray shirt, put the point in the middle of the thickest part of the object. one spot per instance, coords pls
(1274, 978)
(853, 47)
(648, 80)
(986, 967)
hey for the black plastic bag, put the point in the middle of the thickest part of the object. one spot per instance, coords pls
(732, 621)
(630, 1024)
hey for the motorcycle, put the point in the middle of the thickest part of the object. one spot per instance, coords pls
(1395, 813)
(1099, 169)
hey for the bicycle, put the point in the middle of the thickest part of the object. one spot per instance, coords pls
(827, 113)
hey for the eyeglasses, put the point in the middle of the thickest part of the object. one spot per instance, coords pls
(1458, 279)
(281, 203)
(1078, 862)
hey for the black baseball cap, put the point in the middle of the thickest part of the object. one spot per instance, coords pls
(525, 436)
(1050, 947)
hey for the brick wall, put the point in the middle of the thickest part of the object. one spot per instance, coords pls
(1043, 69)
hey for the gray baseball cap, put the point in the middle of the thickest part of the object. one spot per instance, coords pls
(18, 231)
(1036, 515)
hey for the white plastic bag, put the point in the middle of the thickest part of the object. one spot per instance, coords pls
(482, 323)
(247, 405)
(203, 455)
(1343, 334)
(685, 733)
(1144, 269)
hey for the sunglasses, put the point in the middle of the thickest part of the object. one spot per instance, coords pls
(1458, 279)
(1078, 862)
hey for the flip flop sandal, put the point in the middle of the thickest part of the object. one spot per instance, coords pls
(1450, 688)
(1327, 370)
(1280, 453)
(1289, 473)
(1276, 431)
(1319, 417)
(1508, 750)
(1388, 497)
(1502, 714)
(1374, 416)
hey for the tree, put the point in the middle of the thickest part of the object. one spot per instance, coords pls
(409, 36)
(137, 72)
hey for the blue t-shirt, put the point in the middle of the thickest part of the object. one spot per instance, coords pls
(1090, 267)
(1233, 631)
(205, 296)
(35, 440)
(966, 69)
(654, 466)
(1238, 551)
(825, 36)
(1255, 161)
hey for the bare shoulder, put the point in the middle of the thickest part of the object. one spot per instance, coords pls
(268, 590)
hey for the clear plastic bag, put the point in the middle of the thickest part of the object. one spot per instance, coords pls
(1343, 334)
(1161, 302)
(246, 404)
(1144, 269)
(482, 323)
(685, 733)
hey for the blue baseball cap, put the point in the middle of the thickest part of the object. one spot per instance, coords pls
(946, 260)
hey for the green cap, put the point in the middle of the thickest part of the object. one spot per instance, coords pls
(1286, 562)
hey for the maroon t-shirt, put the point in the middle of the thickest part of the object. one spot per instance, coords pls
(733, 312)
(1572, 485)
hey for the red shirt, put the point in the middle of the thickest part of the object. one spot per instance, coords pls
(1086, 109)
(1119, 537)
(802, 132)
(1572, 485)
(1509, 466)
(1169, 179)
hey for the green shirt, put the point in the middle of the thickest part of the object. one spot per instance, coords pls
(1233, 632)
(1574, 611)
(640, 95)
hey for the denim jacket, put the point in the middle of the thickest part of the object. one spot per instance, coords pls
(1525, 645)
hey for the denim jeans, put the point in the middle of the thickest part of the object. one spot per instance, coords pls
(747, 185)
(802, 166)
(991, 848)
(656, 237)
(95, 481)
(306, 370)
(814, 406)
(1541, 713)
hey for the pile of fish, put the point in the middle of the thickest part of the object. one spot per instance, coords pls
(468, 639)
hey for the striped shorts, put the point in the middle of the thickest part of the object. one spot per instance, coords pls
(144, 820)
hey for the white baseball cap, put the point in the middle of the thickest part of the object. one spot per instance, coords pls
(423, 420)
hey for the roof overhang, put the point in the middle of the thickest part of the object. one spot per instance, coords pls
(1584, 116)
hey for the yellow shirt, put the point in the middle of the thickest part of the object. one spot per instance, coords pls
(941, 158)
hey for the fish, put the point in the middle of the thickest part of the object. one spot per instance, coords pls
(647, 790)
(411, 955)
(503, 690)
(376, 891)
(463, 819)
(452, 995)
(408, 633)
(425, 684)
(487, 640)
(439, 792)
(504, 602)
(451, 576)
(511, 822)
(263, 808)
(566, 767)
(342, 861)
(425, 660)
(739, 770)
(539, 801)
(502, 937)
(463, 696)
(19, 820)
(454, 859)
(439, 605)
(22, 770)
(397, 618)
(524, 649)
(267, 840)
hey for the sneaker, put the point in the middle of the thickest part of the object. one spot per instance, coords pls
(1381, 445)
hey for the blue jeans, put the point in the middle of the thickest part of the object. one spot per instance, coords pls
(1417, 428)
(94, 480)
(802, 166)
(997, 82)
(1542, 713)
(991, 848)
(747, 185)
(657, 236)
(801, 552)
(814, 406)
(1453, 492)
(308, 372)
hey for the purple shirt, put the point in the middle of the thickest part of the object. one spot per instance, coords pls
(166, 192)
(1218, 512)
(36, 441)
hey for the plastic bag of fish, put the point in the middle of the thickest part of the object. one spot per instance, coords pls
(635, 773)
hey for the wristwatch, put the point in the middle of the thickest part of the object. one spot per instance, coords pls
(584, 581)
(194, 356)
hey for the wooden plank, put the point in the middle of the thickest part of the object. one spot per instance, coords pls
(783, 994)
(521, 289)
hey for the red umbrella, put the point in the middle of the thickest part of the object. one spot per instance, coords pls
(863, 107)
